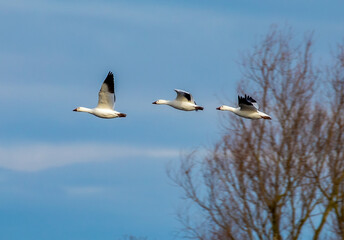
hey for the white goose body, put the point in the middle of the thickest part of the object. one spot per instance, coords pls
(106, 101)
(248, 108)
(100, 112)
(184, 101)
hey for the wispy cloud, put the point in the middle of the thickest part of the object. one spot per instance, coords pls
(161, 14)
(135, 13)
(37, 157)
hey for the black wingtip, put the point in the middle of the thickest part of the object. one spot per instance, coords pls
(250, 99)
(246, 100)
(109, 81)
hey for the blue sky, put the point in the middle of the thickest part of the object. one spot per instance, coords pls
(67, 175)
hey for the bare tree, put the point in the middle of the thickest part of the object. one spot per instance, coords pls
(278, 179)
(331, 162)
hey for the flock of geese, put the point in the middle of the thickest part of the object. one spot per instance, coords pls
(248, 107)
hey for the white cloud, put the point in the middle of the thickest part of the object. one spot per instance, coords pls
(36, 157)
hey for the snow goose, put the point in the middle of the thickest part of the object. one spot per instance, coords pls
(248, 108)
(184, 101)
(106, 101)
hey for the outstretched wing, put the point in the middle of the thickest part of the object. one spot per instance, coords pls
(107, 96)
(184, 96)
(247, 103)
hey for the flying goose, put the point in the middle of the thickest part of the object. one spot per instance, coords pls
(106, 101)
(184, 101)
(248, 108)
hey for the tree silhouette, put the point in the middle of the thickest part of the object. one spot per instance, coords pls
(279, 179)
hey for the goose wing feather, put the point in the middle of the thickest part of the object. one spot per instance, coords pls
(184, 96)
(247, 103)
(107, 96)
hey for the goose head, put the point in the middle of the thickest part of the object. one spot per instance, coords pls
(160, 101)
